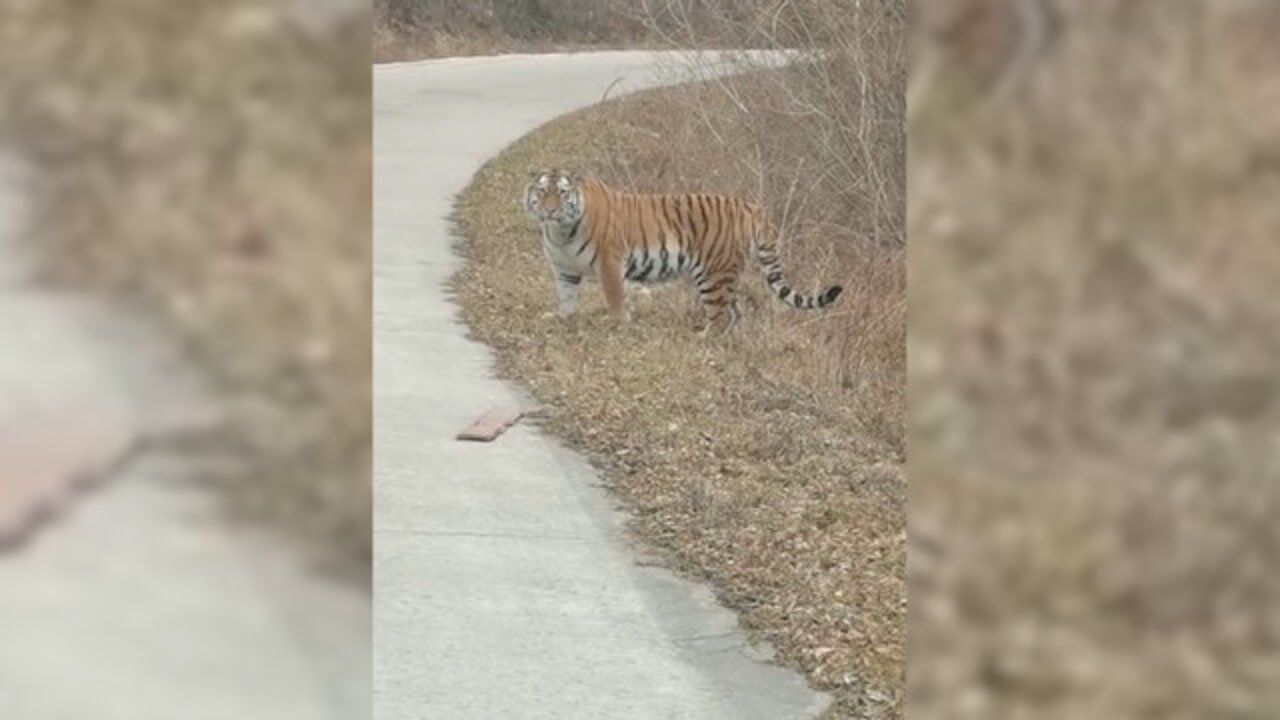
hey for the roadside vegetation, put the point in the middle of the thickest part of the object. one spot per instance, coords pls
(415, 29)
(769, 462)
(210, 162)
(1094, 334)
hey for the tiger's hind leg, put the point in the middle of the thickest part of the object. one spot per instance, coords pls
(718, 293)
(609, 271)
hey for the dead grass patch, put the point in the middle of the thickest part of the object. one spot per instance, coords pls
(416, 29)
(770, 462)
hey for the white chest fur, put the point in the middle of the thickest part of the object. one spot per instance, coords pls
(563, 251)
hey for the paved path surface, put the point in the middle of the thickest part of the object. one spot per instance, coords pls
(502, 586)
(137, 601)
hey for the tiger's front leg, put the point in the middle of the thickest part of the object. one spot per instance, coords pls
(567, 291)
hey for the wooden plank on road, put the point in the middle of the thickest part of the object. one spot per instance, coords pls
(491, 424)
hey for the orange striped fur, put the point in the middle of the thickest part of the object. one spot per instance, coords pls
(590, 230)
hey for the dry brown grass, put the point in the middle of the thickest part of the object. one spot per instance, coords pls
(769, 462)
(1093, 378)
(212, 160)
(414, 29)
(400, 43)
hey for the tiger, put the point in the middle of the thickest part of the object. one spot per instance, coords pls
(590, 230)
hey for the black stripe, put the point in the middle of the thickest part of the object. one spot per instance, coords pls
(719, 244)
(644, 227)
(735, 221)
(662, 262)
(574, 229)
(719, 284)
(784, 292)
(774, 277)
(696, 204)
(666, 202)
(686, 223)
(571, 279)
(583, 246)
(644, 272)
(708, 240)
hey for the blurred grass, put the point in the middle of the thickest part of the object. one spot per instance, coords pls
(415, 29)
(770, 462)
(211, 161)
(1093, 346)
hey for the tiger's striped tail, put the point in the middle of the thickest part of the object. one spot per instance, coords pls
(767, 257)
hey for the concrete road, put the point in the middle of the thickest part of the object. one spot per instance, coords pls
(140, 600)
(503, 587)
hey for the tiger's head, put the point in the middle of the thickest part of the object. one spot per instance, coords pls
(554, 197)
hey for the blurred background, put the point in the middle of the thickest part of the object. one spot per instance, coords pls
(414, 29)
(1094, 429)
(184, 397)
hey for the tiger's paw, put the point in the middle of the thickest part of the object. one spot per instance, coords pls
(619, 320)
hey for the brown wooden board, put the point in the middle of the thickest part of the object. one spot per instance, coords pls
(491, 424)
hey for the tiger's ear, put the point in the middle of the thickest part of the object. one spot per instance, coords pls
(575, 177)
(535, 172)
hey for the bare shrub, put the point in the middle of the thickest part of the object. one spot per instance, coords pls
(408, 29)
